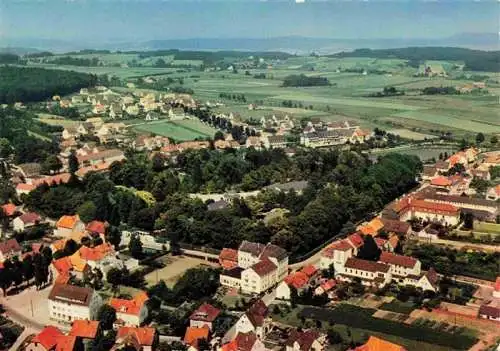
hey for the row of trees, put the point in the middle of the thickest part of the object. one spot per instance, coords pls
(302, 80)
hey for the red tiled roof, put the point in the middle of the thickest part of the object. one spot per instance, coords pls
(144, 336)
(432, 207)
(305, 339)
(97, 227)
(96, 253)
(329, 284)
(228, 258)
(84, 329)
(48, 337)
(62, 265)
(9, 209)
(245, 341)
(364, 265)
(376, 344)
(380, 242)
(398, 260)
(9, 246)
(132, 307)
(342, 245)
(441, 181)
(398, 227)
(356, 240)
(67, 222)
(29, 217)
(497, 284)
(193, 335)
(25, 187)
(263, 267)
(65, 343)
(309, 270)
(205, 313)
(297, 279)
(58, 179)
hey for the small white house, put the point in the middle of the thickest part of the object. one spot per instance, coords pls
(25, 221)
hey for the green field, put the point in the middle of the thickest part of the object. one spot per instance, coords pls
(347, 97)
(178, 130)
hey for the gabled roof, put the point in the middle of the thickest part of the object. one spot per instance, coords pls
(398, 260)
(263, 267)
(441, 181)
(30, 217)
(48, 337)
(205, 313)
(72, 294)
(193, 335)
(297, 279)
(395, 226)
(67, 221)
(329, 284)
(376, 344)
(96, 253)
(97, 227)
(257, 313)
(25, 187)
(65, 343)
(9, 246)
(143, 336)
(244, 341)
(228, 258)
(372, 227)
(84, 329)
(131, 307)
(356, 240)
(9, 209)
(309, 270)
(273, 251)
(305, 339)
(253, 248)
(365, 265)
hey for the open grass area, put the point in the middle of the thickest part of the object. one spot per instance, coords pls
(398, 306)
(57, 120)
(178, 130)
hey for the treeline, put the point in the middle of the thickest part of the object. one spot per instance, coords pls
(76, 61)
(440, 91)
(302, 80)
(235, 97)
(475, 60)
(388, 91)
(7, 58)
(34, 84)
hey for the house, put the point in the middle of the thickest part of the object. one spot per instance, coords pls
(107, 156)
(115, 110)
(259, 277)
(67, 225)
(9, 209)
(132, 110)
(429, 172)
(325, 287)
(46, 340)
(69, 133)
(98, 227)
(244, 342)
(228, 258)
(86, 330)
(231, 277)
(255, 320)
(396, 227)
(205, 315)
(401, 266)
(148, 241)
(441, 181)
(194, 335)
(253, 141)
(373, 274)
(9, 249)
(23, 189)
(377, 344)
(70, 264)
(25, 221)
(324, 138)
(305, 340)
(372, 228)
(297, 280)
(445, 214)
(102, 257)
(141, 339)
(493, 193)
(130, 312)
(490, 312)
(68, 303)
(336, 255)
(274, 142)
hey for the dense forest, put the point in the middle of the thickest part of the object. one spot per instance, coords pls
(343, 188)
(7, 58)
(475, 60)
(75, 61)
(34, 84)
(301, 80)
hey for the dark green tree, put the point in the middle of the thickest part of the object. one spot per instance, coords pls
(106, 316)
(135, 246)
(479, 138)
(73, 163)
(369, 250)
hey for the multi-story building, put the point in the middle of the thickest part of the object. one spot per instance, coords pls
(68, 303)
(205, 315)
(374, 274)
(130, 312)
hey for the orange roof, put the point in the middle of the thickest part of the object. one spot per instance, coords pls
(25, 187)
(231, 346)
(58, 179)
(99, 167)
(194, 334)
(356, 240)
(132, 307)
(144, 336)
(441, 181)
(65, 343)
(432, 207)
(228, 258)
(97, 227)
(297, 279)
(78, 236)
(59, 244)
(9, 209)
(48, 337)
(376, 344)
(67, 222)
(372, 227)
(84, 329)
(96, 253)
(62, 265)
(393, 241)
(62, 279)
(309, 270)
(497, 284)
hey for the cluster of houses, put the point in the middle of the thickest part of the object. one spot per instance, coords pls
(318, 134)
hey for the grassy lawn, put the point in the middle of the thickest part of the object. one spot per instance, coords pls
(398, 306)
(178, 130)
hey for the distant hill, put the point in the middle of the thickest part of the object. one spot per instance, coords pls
(475, 60)
(18, 50)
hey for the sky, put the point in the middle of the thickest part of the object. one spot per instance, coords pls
(114, 20)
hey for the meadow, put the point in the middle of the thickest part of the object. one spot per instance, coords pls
(348, 96)
(178, 130)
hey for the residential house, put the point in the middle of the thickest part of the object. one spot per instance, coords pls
(194, 335)
(325, 287)
(397, 227)
(401, 267)
(69, 133)
(69, 302)
(231, 277)
(228, 258)
(377, 344)
(46, 340)
(493, 193)
(337, 254)
(259, 277)
(141, 339)
(25, 221)
(306, 340)
(244, 342)
(132, 110)
(274, 142)
(102, 257)
(205, 315)
(107, 156)
(298, 280)
(24, 189)
(445, 214)
(73, 265)
(8, 249)
(372, 228)
(86, 331)
(254, 141)
(429, 172)
(67, 225)
(97, 227)
(373, 274)
(255, 320)
(442, 166)
(130, 312)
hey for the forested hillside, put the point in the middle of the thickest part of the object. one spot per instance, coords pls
(475, 60)
(34, 84)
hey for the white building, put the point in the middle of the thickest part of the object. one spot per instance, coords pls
(130, 312)
(148, 241)
(25, 221)
(259, 277)
(255, 320)
(374, 274)
(68, 303)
